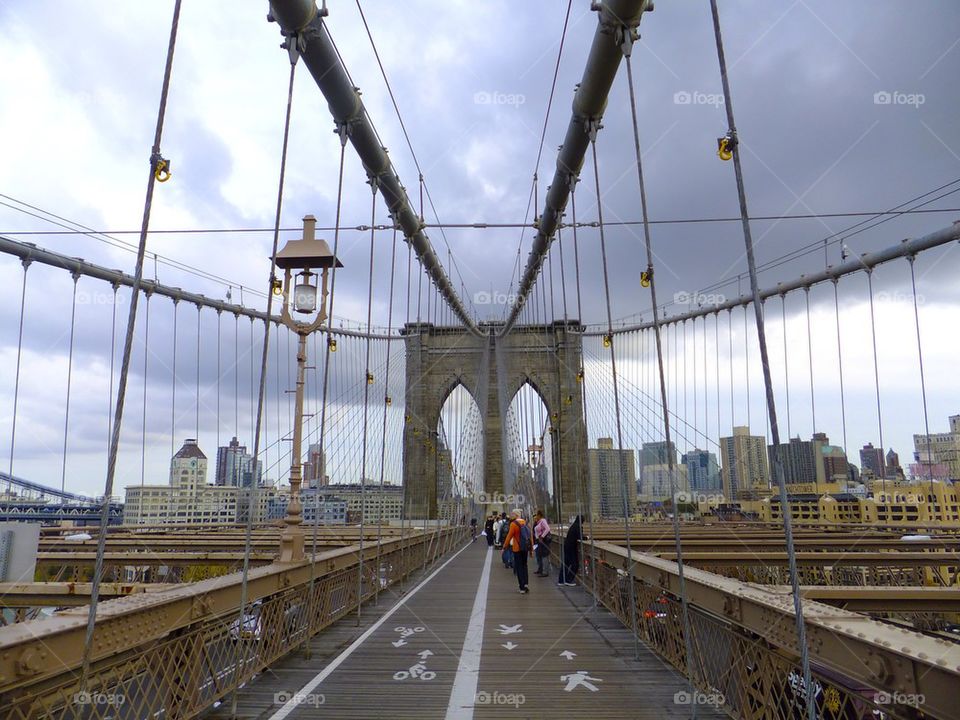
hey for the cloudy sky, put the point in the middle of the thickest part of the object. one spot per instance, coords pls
(841, 107)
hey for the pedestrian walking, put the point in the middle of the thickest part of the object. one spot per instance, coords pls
(571, 554)
(507, 554)
(488, 531)
(542, 537)
(520, 541)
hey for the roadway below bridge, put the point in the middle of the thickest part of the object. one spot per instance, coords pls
(462, 642)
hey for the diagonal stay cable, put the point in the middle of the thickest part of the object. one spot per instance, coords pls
(155, 160)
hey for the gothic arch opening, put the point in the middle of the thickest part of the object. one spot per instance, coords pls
(529, 458)
(459, 452)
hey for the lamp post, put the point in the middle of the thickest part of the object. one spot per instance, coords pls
(301, 257)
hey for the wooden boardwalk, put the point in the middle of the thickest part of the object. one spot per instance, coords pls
(444, 653)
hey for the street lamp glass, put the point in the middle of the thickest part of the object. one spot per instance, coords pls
(305, 295)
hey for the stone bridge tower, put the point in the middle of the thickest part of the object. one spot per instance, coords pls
(493, 370)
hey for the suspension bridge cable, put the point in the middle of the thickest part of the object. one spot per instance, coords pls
(254, 506)
(143, 426)
(16, 376)
(105, 237)
(876, 374)
(155, 160)
(386, 406)
(581, 374)
(66, 416)
(479, 225)
(616, 394)
(343, 131)
(843, 404)
(923, 382)
(768, 384)
(406, 135)
(366, 397)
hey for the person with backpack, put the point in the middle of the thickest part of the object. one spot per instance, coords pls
(507, 554)
(542, 537)
(520, 541)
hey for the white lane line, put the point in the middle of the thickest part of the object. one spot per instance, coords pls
(464, 692)
(295, 701)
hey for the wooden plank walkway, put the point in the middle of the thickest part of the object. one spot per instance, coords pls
(538, 656)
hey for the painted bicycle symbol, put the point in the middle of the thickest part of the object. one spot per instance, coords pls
(417, 672)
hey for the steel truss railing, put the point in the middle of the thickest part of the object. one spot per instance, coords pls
(863, 263)
(28, 252)
(173, 654)
(746, 659)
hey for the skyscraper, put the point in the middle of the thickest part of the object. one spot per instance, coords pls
(235, 466)
(315, 468)
(656, 453)
(801, 461)
(611, 472)
(871, 458)
(744, 462)
(703, 472)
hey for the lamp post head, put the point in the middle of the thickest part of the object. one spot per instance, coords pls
(302, 257)
(307, 253)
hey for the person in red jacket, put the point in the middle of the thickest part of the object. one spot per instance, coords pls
(513, 541)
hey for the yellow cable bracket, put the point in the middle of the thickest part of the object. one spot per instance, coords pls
(726, 146)
(161, 168)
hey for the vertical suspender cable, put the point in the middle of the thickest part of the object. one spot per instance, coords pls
(113, 352)
(253, 506)
(627, 42)
(923, 383)
(876, 371)
(616, 394)
(843, 404)
(343, 131)
(813, 403)
(173, 382)
(16, 378)
(143, 426)
(768, 383)
(66, 416)
(786, 359)
(366, 397)
(583, 401)
(219, 314)
(199, 325)
(155, 160)
(403, 503)
(386, 405)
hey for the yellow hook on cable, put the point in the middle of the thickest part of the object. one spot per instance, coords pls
(724, 149)
(162, 172)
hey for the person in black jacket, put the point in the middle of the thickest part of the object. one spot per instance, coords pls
(571, 554)
(488, 529)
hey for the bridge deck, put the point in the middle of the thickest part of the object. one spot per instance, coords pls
(481, 650)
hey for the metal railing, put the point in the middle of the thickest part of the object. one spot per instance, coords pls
(746, 660)
(173, 654)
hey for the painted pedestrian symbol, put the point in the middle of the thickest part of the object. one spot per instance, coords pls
(405, 632)
(580, 677)
(509, 629)
(417, 671)
(568, 654)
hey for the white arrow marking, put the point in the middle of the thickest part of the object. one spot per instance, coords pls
(424, 654)
(399, 643)
(568, 655)
(509, 629)
(509, 645)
